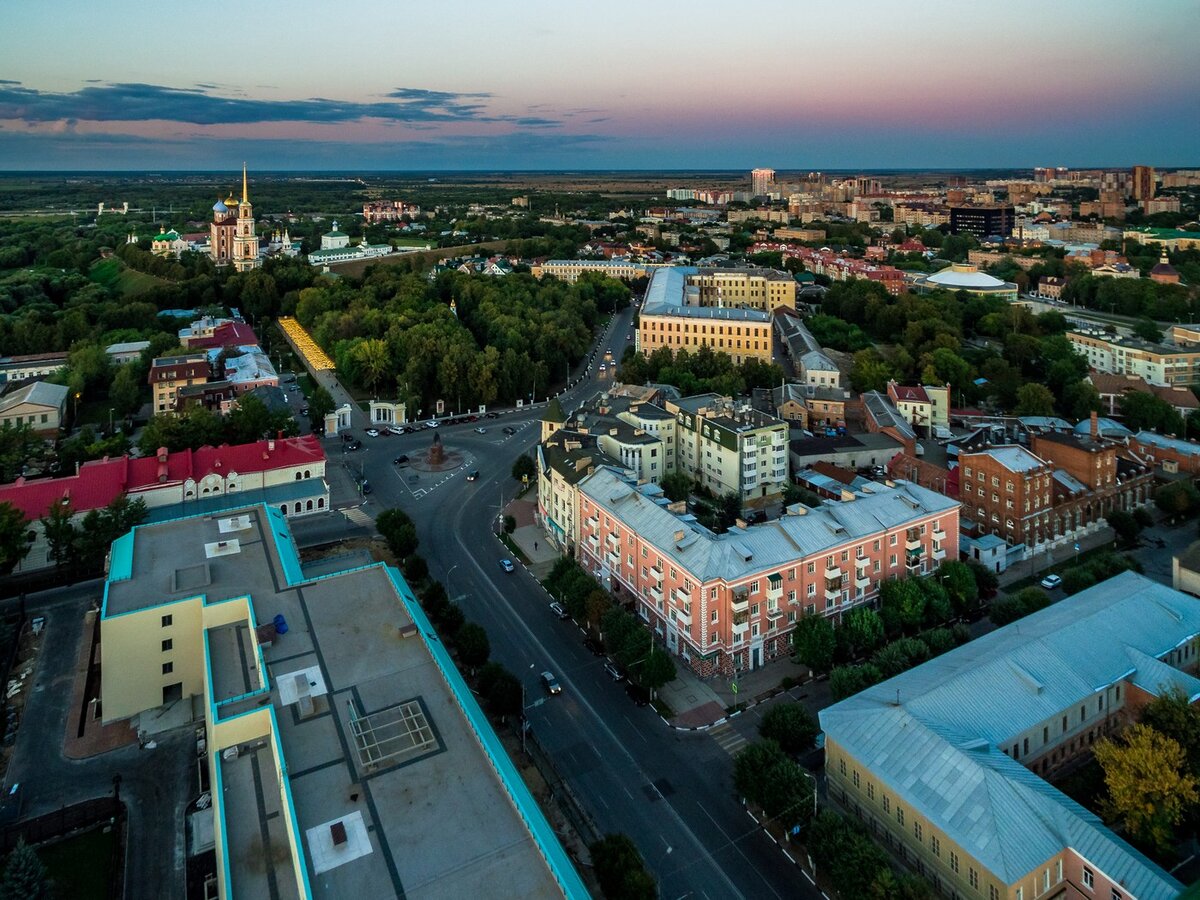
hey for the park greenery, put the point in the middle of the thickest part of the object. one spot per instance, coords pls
(620, 869)
(765, 775)
(79, 548)
(856, 864)
(697, 372)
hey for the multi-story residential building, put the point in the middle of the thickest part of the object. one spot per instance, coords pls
(1112, 480)
(169, 373)
(730, 448)
(762, 181)
(1007, 491)
(945, 762)
(981, 221)
(34, 365)
(1112, 388)
(672, 316)
(376, 211)
(1050, 287)
(727, 603)
(1141, 183)
(286, 473)
(924, 406)
(1157, 363)
(809, 406)
(341, 764)
(764, 289)
(563, 460)
(569, 270)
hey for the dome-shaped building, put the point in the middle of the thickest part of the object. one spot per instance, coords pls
(964, 277)
(1163, 272)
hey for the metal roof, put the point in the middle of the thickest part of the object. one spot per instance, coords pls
(933, 734)
(744, 551)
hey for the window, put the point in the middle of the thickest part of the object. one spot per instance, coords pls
(953, 862)
(993, 894)
(842, 766)
(887, 803)
(1089, 878)
(166, 621)
(1117, 895)
(167, 645)
(900, 815)
(168, 668)
(871, 790)
(917, 830)
(1025, 746)
(935, 845)
(855, 778)
(973, 878)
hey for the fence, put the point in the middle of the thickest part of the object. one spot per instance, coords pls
(62, 822)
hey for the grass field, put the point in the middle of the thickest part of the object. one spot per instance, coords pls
(113, 273)
(82, 867)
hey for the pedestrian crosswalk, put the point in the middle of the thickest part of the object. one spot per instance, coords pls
(357, 517)
(729, 739)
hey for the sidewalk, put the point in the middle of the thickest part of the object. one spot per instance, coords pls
(699, 703)
(529, 535)
(1060, 556)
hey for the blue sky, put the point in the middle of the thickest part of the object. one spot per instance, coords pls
(537, 85)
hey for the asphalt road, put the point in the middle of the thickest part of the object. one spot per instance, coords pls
(672, 792)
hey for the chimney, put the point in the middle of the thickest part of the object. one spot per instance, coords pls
(1095, 426)
(679, 535)
(162, 454)
(678, 507)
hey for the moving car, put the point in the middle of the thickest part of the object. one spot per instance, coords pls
(507, 565)
(1050, 582)
(612, 670)
(481, 431)
(401, 460)
(509, 430)
(473, 476)
(354, 445)
(550, 683)
(304, 410)
(366, 487)
(372, 432)
(432, 423)
(557, 609)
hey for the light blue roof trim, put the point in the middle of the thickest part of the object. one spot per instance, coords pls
(552, 851)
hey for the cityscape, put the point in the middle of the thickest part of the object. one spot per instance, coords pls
(571, 456)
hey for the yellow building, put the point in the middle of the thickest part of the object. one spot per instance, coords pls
(946, 762)
(569, 270)
(1160, 364)
(728, 310)
(346, 755)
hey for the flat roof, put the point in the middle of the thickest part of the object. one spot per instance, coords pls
(395, 747)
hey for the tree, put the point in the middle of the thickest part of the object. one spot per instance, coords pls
(791, 726)
(657, 669)
(1144, 411)
(13, 533)
(125, 392)
(100, 527)
(1178, 499)
(985, 579)
(958, 579)
(845, 681)
(18, 446)
(752, 769)
(901, 603)
(61, 534)
(373, 359)
(1125, 525)
(861, 630)
(620, 870)
(814, 642)
(524, 469)
(676, 485)
(501, 690)
(1171, 715)
(24, 875)
(1149, 787)
(473, 646)
(1034, 399)
(320, 404)
(1147, 330)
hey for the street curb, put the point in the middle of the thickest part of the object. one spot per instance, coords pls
(783, 850)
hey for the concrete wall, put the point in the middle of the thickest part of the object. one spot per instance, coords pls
(132, 656)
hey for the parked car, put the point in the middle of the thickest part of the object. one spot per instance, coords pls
(372, 432)
(594, 645)
(1050, 582)
(395, 429)
(432, 423)
(550, 683)
(366, 487)
(473, 476)
(557, 609)
(613, 671)
(491, 415)
(507, 566)
(509, 430)
(637, 693)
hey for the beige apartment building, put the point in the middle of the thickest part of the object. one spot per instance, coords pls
(726, 603)
(945, 762)
(728, 310)
(569, 270)
(170, 373)
(1160, 364)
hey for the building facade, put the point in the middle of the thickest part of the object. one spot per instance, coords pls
(232, 238)
(170, 373)
(1157, 363)
(945, 762)
(727, 603)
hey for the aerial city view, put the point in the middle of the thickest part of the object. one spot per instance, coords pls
(658, 450)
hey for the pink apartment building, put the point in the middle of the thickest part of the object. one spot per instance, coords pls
(727, 603)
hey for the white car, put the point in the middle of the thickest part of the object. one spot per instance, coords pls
(481, 430)
(1050, 582)
(432, 423)
(372, 432)
(395, 429)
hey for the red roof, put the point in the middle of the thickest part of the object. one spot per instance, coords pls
(101, 481)
(912, 394)
(231, 334)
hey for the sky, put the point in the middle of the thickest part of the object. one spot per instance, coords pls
(658, 84)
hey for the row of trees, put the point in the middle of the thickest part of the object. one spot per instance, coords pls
(697, 372)
(622, 633)
(249, 421)
(80, 548)
(856, 864)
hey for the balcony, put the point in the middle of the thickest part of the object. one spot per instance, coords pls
(612, 541)
(593, 544)
(613, 559)
(680, 596)
(938, 533)
(774, 613)
(939, 553)
(912, 561)
(862, 562)
(656, 574)
(740, 602)
(832, 571)
(654, 592)
(912, 542)
(863, 581)
(682, 617)
(774, 592)
(833, 595)
(740, 628)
